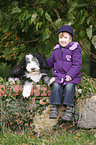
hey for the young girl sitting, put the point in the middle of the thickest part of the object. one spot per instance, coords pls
(66, 61)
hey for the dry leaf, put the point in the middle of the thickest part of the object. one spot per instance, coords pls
(65, 126)
(42, 103)
(32, 136)
(77, 133)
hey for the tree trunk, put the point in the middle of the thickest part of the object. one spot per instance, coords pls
(93, 61)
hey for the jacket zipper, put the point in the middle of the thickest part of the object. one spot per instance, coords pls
(62, 55)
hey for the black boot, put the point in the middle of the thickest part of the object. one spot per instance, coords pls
(68, 116)
(53, 112)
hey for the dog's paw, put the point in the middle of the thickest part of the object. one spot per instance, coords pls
(26, 93)
(13, 80)
(51, 81)
(27, 89)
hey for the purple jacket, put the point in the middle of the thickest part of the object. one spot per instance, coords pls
(66, 61)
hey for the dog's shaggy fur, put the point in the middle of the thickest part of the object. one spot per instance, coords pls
(30, 70)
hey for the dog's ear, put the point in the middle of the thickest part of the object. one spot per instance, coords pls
(43, 61)
(22, 63)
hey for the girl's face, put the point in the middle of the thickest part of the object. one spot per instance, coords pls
(64, 39)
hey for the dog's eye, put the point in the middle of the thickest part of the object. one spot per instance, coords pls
(27, 61)
(27, 58)
(34, 59)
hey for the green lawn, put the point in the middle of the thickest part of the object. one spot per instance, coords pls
(72, 137)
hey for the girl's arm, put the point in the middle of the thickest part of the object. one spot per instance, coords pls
(50, 61)
(77, 62)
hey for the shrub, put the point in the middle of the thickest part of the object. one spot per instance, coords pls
(18, 113)
(86, 88)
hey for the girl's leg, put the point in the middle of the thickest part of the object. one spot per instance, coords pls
(56, 94)
(55, 99)
(69, 91)
(69, 101)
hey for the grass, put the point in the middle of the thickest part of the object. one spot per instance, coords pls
(72, 137)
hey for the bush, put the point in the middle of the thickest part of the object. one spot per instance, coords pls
(86, 88)
(4, 69)
(18, 113)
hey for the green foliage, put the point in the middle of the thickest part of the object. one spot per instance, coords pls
(18, 113)
(87, 87)
(32, 25)
(14, 112)
(85, 63)
(3, 68)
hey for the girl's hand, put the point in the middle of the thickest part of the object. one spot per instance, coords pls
(68, 78)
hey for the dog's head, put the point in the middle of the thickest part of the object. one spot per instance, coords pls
(32, 63)
(42, 61)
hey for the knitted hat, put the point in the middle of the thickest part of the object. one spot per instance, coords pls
(66, 28)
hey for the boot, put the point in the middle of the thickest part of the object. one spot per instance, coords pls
(53, 112)
(68, 116)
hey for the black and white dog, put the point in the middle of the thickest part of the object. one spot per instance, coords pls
(30, 70)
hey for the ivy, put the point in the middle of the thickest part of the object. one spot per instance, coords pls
(25, 21)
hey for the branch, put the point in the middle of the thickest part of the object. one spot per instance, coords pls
(88, 52)
(30, 41)
(58, 16)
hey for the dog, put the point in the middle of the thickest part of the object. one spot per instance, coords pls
(30, 70)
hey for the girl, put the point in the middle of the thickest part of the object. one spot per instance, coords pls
(66, 61)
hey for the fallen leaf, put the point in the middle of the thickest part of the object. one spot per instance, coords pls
(77, 133)
(65, 126)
